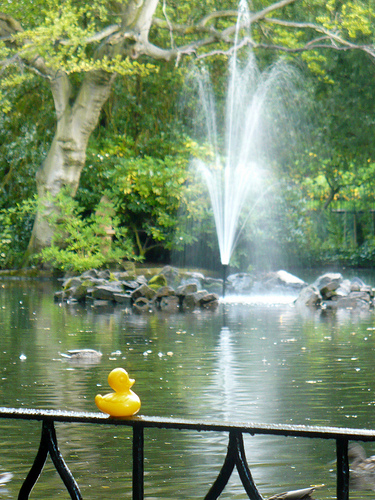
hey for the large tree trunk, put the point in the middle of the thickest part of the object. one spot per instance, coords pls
(75, 122)
(66, 158)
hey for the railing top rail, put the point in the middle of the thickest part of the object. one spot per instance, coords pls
(190, 424)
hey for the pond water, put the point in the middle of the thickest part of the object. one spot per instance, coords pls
(263, 361)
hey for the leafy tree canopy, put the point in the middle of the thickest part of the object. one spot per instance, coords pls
(76, 48)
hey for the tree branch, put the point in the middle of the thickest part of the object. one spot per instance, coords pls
(8, 27)
(97, 37)
(203, 26)
(337, 42)
(275, 6)
(199, 28)
(328, 40)
(137, 31)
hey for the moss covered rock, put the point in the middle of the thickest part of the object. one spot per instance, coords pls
(157, 281)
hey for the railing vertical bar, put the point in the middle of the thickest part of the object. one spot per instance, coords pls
(36, 468)
(342, 469)
(59, 462)
(138, 462)
(244, 471)
(226, 470)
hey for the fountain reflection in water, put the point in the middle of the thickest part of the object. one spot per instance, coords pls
(255, 103)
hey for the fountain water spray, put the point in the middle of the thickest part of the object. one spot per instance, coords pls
(250, 104)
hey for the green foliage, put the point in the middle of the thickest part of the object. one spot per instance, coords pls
(63, 39)
(25, 135)
(140, 154)
(81, 243)
(139, 151)
(15, 229)
(352, 19)
(154, 197)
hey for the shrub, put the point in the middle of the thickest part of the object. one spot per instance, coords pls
(15, 229)
(81, 243)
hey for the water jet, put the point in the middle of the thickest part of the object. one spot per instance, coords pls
(238, 173)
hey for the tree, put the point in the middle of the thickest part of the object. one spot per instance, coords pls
(155, 198)
(78, 48)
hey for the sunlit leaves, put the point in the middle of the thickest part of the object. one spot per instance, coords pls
(352, 19)
(8, 82)
(150, 194)
(69, 38)
(357, 19)
(317, 63)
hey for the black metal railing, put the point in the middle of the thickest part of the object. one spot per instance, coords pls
(235, 456)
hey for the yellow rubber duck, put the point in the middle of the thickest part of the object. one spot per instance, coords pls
(123, 402)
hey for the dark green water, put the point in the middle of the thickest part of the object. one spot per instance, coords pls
(262, 362)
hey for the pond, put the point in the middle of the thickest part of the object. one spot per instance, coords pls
(262, 361)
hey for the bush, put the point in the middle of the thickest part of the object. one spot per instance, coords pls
(15, 229)
(81, 243)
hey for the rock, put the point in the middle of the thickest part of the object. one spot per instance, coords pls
(79, 293)
(239, 283)
(344, 289)
(199, 295)
(357, 284)
(130, 285)
(331, 291)
(71, 283)
(209, 301)
(170, 304)
(289, 280)
(143, 291)
(278, 281)
(189, 302)
(186, 289)
(92, 273)
(122, 298)
(214, 285)
(309, 296)
(164, 291)
(142, 305)
(171, 274)
(106, 292)
(328, 283)
(356, 300)
(157, 281)
(103, 288)
(142, 280)
(193, 278)
(96, 281)
(120, 275)
(105, 275)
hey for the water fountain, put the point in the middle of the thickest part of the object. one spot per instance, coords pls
(253, 106)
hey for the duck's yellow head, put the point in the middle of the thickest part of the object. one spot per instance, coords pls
(119, 380)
